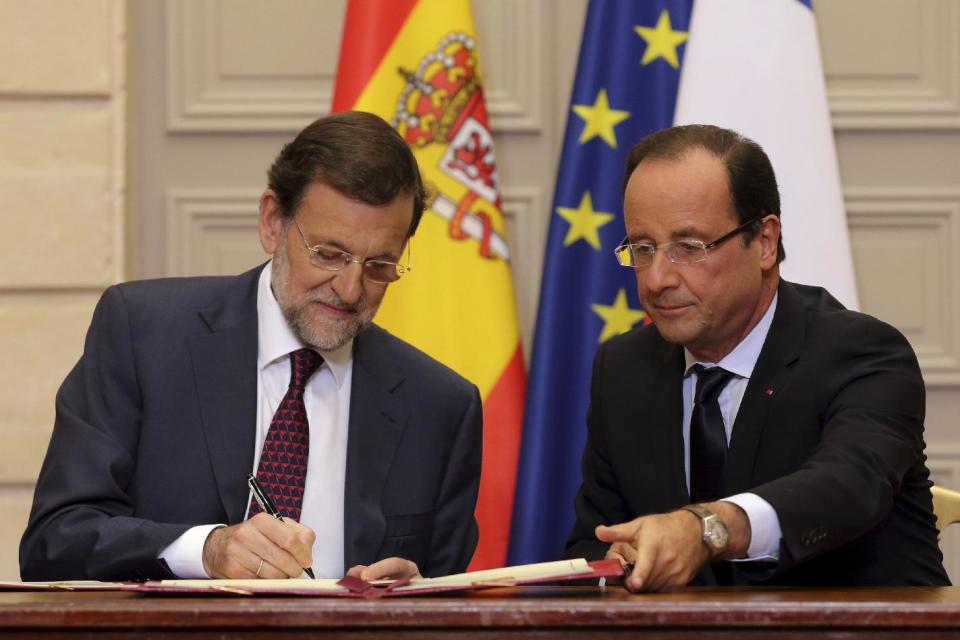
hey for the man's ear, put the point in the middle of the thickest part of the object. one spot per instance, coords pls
(769, 240)
(270, 221)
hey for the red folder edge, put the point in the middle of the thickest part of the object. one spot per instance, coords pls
(600, 569)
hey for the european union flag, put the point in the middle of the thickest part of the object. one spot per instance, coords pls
(626, 87)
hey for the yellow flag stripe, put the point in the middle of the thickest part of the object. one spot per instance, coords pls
(455, 305)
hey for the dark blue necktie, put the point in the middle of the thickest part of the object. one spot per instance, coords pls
(708, 438)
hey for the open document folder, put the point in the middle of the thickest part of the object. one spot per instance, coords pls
(562, 570)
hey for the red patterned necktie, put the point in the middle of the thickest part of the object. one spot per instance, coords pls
(282, 471)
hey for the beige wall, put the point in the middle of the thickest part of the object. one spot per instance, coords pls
(62, 155)
(214, 94)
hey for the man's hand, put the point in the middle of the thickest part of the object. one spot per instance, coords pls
(386, 569)
(261, 547)
(667, 550)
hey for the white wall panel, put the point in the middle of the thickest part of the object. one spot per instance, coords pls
(269, 67)
(212, 231)
(509, 37)
(521, 206)
(892, 64)
(250, 66)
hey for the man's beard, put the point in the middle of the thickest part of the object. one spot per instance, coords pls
(307, 321)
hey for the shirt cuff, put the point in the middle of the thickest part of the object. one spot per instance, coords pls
(184, 555)
(765, 532)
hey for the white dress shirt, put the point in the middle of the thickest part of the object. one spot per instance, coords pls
(327, 401)
(764, 523)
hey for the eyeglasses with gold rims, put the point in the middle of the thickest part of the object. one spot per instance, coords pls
(330, 258)
(639, 255)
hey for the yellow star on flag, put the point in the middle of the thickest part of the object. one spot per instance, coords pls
(600, 119)
(584, 222)
(617, 318)
(662, 41)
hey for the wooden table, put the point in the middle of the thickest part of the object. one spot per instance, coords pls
(538, 612)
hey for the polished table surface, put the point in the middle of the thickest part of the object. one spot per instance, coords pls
(581, 612)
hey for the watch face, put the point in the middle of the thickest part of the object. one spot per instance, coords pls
(715, 534)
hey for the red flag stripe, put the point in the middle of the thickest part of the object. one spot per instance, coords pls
(502, 415)
(365, 42)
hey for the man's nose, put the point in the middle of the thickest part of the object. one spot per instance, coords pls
(660, 274)
(348, 283)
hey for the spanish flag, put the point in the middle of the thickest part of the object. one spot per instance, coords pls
(415, 64)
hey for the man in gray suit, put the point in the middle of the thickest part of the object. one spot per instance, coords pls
(187, 385)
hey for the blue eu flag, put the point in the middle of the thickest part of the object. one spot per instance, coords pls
(626, 87)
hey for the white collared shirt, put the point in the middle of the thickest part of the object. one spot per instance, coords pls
(327, 401)
(764, 523)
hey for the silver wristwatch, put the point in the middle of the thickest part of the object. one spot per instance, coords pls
(715, 535)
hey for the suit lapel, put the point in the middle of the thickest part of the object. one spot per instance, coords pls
(225, 366)
(666, 423)
(781, 349)
(377, 420)
(651, 424)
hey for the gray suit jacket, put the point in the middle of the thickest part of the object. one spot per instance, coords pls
(155, 430)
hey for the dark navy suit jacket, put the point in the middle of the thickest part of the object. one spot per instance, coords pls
(829, 432)
(155, 430)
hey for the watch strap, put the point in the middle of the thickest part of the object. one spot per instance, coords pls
(698, 511)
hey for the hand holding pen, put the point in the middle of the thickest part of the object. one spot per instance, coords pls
(268, 506)
(260, 547)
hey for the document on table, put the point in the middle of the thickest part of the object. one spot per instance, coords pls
(561, 570)
(354, 587)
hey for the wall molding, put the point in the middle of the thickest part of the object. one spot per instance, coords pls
(515, 100)
(934, 213)
(203, 97)
(193, 215)
(522, 210)
(927, 98)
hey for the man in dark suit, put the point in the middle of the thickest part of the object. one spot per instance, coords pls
(757, 432)
(187, 385)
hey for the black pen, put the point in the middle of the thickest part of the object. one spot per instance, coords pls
(269, 507)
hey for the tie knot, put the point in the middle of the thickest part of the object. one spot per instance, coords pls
(303, 364)
(710, 382)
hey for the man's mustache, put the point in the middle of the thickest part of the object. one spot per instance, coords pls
(334, 301)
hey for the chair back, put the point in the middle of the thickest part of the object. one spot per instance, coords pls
(946, 506)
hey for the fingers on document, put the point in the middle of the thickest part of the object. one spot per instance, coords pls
(386, 569)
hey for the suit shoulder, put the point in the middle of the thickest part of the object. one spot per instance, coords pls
(170, 305)
(844, 330)
(167, 297)
(639, 341)
(828, 313)
(378, 340)
(190, 291)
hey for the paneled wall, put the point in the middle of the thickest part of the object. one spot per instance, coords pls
(216, 87)
(62, 185)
